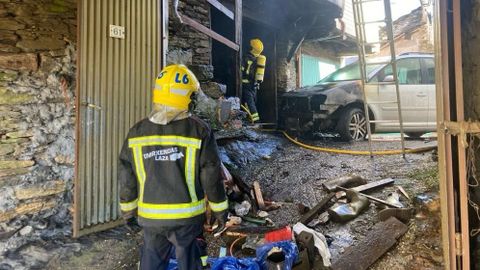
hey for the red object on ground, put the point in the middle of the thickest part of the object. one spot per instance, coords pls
(284, 234)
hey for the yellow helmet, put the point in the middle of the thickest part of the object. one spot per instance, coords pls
(174, 86)
(257, 46)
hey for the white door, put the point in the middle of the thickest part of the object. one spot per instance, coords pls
(413, 97)
(429, 79)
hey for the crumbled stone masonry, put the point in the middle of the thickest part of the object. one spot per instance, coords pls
(37, 85)
(187, 45)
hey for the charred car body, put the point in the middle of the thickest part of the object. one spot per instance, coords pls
(336, 104)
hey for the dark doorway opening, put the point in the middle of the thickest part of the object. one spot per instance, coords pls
(223, 57)
(223, 60)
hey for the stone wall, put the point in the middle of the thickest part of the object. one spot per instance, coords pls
(185, 44)
(416, 41)
(37, 85)
(286, 71)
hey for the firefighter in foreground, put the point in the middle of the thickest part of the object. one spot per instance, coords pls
(168, 163)
(253, 70)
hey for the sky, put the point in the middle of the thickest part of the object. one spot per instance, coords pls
(374, 11)
(402, 7)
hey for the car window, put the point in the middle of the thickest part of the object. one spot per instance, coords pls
(348, 73)
(408, 71)
(430, 68)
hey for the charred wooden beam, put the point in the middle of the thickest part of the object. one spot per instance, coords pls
(310, 215)
(258, 195)
(222, 8)
(374, 185)
(378, 241)
(302, 29)
(238, 40)
(209, 32)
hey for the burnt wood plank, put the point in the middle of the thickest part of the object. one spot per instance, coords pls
(310, 215)
(378, 241)
(372, 185)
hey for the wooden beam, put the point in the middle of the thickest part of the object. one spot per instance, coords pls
(258, 195)
(378, 241)
(442, 68)
(238, 40)
(372, 185)
(209, 32)
(222, 8)
(310, 215)
(462, 158)
(460, 127)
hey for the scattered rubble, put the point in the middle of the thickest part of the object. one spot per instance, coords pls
(251, 230)
(343, 212)
(345, 182)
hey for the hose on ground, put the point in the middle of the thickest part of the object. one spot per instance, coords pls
(349, 152)
(248, 112)
(359, 152)
(233, 244)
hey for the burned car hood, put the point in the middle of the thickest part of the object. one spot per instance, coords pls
(325, 88)
(311, 98)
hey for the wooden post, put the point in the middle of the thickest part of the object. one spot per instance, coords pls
(238, 41)
(442, 65)
(462, 162)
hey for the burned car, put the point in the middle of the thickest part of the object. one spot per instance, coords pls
(335, 104)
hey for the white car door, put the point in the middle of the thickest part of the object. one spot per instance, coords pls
(413, 96)
(429, 79)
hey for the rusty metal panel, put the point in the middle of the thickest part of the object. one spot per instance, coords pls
(115, 78)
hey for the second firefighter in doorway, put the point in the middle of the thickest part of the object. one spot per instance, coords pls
(253, 70)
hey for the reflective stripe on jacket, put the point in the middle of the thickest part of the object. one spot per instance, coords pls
(165, 171)
(249, 66)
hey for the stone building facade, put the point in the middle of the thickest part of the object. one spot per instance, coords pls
(186, 45)
(37, 97)
(38, 53)
(37, 108)
(413, 32)
(37, 103)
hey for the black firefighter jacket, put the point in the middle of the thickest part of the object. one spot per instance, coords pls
(249, 67)
(165, 171)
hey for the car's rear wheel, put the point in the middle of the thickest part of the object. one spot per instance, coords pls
(352, 125)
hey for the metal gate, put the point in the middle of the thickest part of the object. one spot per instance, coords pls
(120, 52)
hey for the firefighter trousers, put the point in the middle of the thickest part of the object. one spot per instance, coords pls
(249, 96)
(186, 242)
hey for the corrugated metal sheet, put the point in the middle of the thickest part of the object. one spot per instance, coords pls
(114, 90)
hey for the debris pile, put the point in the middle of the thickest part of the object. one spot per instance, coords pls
(211, 102)
(252, 237)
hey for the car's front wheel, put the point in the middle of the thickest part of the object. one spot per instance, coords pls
(414, 135)
(352, 125)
